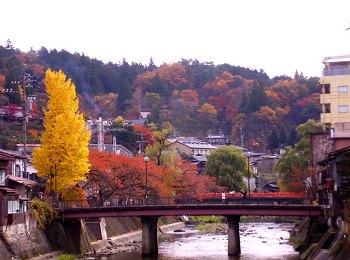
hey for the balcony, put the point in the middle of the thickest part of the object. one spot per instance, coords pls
(337, 70)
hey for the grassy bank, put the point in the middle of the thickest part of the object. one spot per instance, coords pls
(67, 257)
(209, 223)
(218, 223)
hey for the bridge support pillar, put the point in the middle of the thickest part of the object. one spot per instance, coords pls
(72, 231)
(149, 235)
(234, 243)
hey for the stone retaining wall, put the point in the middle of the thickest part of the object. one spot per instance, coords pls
(23, 242)
(20, 241)
(134, 237)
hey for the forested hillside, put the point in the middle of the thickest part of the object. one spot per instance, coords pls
(197, 98)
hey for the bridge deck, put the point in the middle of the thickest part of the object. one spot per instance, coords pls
(191, 210)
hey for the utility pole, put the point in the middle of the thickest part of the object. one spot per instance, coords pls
(241, 137)
(26, 81)
(100, 131)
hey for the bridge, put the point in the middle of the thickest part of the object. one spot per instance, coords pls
(149, 213)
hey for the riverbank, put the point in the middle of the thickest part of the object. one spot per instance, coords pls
(314, 239)
(97, 237)
(189, 243)
(129, 242)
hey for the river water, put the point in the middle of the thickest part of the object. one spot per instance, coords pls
(265, 241)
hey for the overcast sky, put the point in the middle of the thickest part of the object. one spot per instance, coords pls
(278, 36)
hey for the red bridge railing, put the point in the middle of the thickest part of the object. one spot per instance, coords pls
(285, 198)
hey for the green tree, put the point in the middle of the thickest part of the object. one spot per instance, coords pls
(227, 164)
(124, 133)
(257, 98)
(152, 101)
(63, 156)
(160, 150)
(297, 159)
(244, 107)
(283, 136)
(273, 140)
(125, 93)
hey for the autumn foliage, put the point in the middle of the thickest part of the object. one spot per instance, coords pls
(239, 98)
(302, 180)
(63, 156)
(119, 177)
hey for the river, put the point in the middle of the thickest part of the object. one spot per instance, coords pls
(258, 241)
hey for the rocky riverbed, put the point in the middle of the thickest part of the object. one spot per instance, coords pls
(258, 241)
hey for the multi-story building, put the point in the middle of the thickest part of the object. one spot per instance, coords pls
(193, 146)
(15, 190)
(217, 139)
(335, 97)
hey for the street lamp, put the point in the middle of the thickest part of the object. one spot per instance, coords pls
(146, 159)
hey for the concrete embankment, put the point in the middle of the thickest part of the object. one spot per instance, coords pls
(102, 237)
(129, 241)
(316, 240)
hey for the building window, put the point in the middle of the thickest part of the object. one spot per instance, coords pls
(326, 89)
(343, 109)
(24, 207)
(13, 206)
(2, 177)
(327, 108)
(343, 89)
(17, 170)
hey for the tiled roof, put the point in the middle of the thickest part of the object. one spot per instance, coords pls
(26, 182)
(12, 153)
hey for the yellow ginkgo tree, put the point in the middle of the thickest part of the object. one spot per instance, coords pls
(63, 156)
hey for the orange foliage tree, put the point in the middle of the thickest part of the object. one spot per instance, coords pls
(189, 184)
(267, 114)
(144, 133)
(303, 180)
(2, 82)
(109, 176)
(173, 74)
(207, 113)
(120, 178)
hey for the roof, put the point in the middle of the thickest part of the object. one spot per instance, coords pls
(336, 59)
(198, 158)
(12, 153)
(332, 155)
(144, 115)
(29, 145)
(136, 121)
(26, 182)
(31, 169)
(119, 149)
(196, 144)
(8, 190)
(216, 136)
(340, 151)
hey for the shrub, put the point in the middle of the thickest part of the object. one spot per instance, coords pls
(42, 212)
